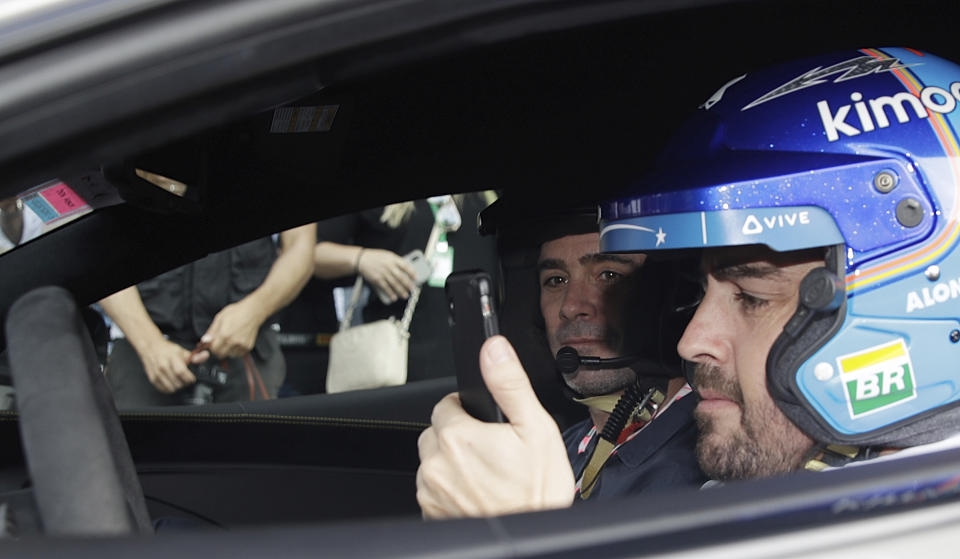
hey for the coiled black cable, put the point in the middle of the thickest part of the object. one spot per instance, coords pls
(628, 403)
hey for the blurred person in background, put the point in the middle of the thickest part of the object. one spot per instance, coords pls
(213, 314)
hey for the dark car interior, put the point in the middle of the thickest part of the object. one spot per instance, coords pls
(536, 100)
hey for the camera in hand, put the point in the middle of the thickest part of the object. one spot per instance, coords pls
(210, 376)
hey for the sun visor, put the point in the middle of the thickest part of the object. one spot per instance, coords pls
(782, 229)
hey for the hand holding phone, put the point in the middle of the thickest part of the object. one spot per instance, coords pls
(473, 319)
(421, 266)
(421, 269)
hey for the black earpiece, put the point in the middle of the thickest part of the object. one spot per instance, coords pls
(822, 290)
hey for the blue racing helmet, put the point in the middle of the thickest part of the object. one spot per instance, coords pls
(856, 151)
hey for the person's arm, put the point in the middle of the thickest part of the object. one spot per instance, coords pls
(233, 331)
(472, 468)
(384, 269)
(334, 260)
(164, 361)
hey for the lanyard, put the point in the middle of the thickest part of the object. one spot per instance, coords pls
(439, 252)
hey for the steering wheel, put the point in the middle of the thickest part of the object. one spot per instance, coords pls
(77, 456)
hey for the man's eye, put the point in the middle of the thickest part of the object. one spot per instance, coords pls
(554, 281)
(610, 276)
(749, 302)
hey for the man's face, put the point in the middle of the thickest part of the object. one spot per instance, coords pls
(751, 292)
(580, 297)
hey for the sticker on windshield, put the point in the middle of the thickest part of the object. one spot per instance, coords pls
(291, 120)
(877, 378)
(55, 201)
(41, 209)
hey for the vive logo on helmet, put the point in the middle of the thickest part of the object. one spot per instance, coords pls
(872, 114)
(754, 225)
(877, 378)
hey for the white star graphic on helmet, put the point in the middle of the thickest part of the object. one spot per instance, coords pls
(660, 235)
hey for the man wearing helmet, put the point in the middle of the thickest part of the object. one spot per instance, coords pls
(824, 196)
(611, 357)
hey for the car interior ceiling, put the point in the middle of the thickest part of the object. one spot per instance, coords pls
(538, 116)
(544, 114)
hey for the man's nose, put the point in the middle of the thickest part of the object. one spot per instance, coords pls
(705, 339)
(579, 300)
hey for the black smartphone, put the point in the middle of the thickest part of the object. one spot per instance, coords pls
(473, 319)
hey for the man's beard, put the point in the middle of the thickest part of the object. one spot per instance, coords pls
(766, 444)
(595, 382)
(599, 382)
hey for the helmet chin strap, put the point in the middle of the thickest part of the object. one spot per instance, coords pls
(604, 402)
(824, 456)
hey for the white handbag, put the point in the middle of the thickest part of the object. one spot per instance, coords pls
(370, 355)
(375, 354)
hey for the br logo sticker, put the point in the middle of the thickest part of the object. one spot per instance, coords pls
(877, 378)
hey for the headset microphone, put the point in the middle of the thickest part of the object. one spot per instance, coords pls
(569, 361)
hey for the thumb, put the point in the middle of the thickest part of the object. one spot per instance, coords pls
(199, 357)
(508, 382)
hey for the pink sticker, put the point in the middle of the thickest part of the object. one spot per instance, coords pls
(63, 199)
